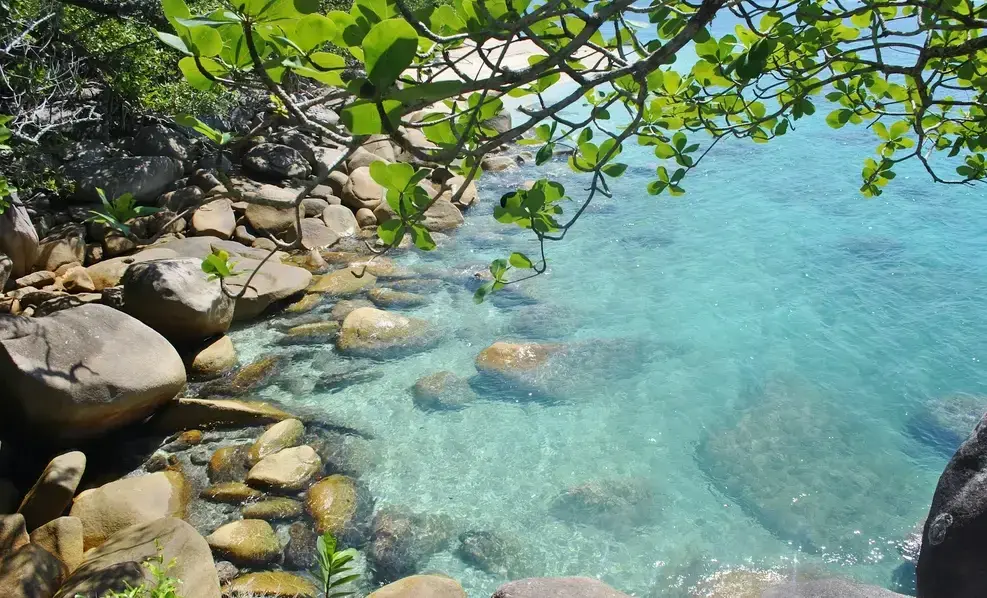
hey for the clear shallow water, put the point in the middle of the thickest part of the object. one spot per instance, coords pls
(777, 336)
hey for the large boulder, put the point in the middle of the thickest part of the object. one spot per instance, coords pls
(176, 298)
(107, 273)
(421, 586)
(63, 245)
(276, 161)
(272, 283)
(63, 537)
(370, 332)
(340, 220)
(112, 507)
(316, 234)
(403, 541)
(53, 492)
(250, 542)
(268, 220)
(557, 587)
(31, 572)
(159, 140)
(146, 177)
(118, 562)
(620, 503)
(83, 371)
(361, 191)
(18, 239)
(215, 358)
(215, 219)
(442, 391)
(190, 414)
(951, 562)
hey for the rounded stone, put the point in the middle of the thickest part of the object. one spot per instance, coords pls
(248, 542)
(282, 435)
(230, 493)
(332, 503)
(289, 470)
(274, 509)
(215, 359)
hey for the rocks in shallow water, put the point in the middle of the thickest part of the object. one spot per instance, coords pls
(343, 308)
(234, 493)
(831, 588)
(282, 435)
(612, 504)
(229, 464)
(288, 470)
(272, 283)
(273, 509)
(316, 333)
(53, 492)
(557, 587)
(120, 371)
(31, 572)
(116, 564)
(270, 584)
(951, 561)
(385, 297)
(249, 542)
(348, 455)
(302, 549)
(216, 358)
(505, 358)
(370, 332)
(421, 586)
(62, 537)
(110, 508)
(402, 541)
(305, 304)
(339, 506)
(945, 423)
(250, 377)
(176, 298)
(442, 390)
(343, 283)
(491, 552)
(188, 414)
(808, 471)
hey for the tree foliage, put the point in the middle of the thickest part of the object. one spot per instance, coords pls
(910, 70)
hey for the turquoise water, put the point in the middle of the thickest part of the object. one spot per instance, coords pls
(763, 346)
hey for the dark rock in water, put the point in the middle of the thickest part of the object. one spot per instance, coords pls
(543, 322)
(229, 464)
(332, 382)
(300, 553)
(442, 391)
(945, 423)
(557, 587)
(250, 377)
(226, 571)
(829, 588)
(953, 554)
(903, 579)
(403, 541)
(344, 453)
(610, 504)
(809, 472)
(491, 552)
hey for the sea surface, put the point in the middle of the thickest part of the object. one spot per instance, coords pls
(759, 359)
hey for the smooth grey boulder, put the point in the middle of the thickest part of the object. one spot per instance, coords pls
(159, 140)
(18, 239)
(146, 177)
(951, 562)
(176, 298)
(276, 161)
(272, 283)
(81, 372)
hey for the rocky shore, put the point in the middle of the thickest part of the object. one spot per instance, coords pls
(128, 424)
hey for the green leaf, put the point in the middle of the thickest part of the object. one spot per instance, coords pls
(389, 48)
(206, 41)
(174, 41)
(422, 239)
(615, 169)
(193, 75)
(391, 232)
(519, 260)
(312, 31)
(380, 173)
(482, 292)
(175, 9)
(545, 153)
(363, 118)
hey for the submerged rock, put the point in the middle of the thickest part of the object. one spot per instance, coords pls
(343, 283)
(270, 584)
(302, 549)
(557, 587)
(492, 552)
(229, 464)
(402, 541)
(808, 471)
(615, 503)
(442, 390)
(248, 542)
(230, 492)
(385, 297)
(829, 588)
(421, 586)
(250, 377)
(282, 435)
(339, 506)
(945, 423)
(369, 332)
(273, 509)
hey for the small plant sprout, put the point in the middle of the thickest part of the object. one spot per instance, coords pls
(218, 265)
(335, 567)
(116, 213)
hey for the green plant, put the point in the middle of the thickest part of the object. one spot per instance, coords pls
(407, 199)
(218, 265)
(163, 585)
(334, 566)
(116, 213)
